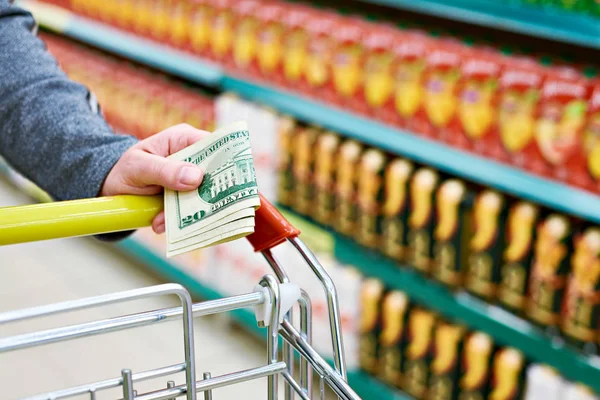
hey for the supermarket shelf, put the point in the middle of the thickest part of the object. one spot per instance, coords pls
(545, 23)
(505, 327)
(478, 169)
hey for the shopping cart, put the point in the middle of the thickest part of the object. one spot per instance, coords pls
(273, 300)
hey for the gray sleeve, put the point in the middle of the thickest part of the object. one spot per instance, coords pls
(50, 131)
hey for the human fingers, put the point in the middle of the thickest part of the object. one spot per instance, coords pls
(158, 224)
(149, 170)
(173, 139)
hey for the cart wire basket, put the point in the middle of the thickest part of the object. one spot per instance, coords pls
(273, 300)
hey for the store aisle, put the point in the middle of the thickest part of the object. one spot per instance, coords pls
(59, 270)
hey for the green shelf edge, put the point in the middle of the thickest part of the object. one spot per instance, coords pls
(511, 180)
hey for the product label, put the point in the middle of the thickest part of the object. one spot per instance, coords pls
(346, 187)
(200, 27)
(318, 60)
(245, 41)
(452, 224)
(221, 37)
(371, 295)
(507, 380)
(270, 48)
(295, 54)
(370, 197)
(483, 266)
(416, 370)
(440, 89)
(421, 221)
(558, 128)
(550, 266)
(476, 356)
(395, 306)
(347, 69)
(476, 109)
(379, 81)
(325, 177)
(591, 145)
(409, 87)
(395, 208)
(519, 96)
(517, 255)
(582, 298)
(303, 169)
(445, 366)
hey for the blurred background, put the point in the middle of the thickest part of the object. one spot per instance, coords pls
(441, 157)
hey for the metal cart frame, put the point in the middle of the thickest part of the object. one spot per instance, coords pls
(272, 299)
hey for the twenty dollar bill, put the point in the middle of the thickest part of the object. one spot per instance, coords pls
(226, 198)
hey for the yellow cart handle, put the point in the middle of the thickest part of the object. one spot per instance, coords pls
(84, 217)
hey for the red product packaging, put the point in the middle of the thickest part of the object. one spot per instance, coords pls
(221, 29)
(378, 74)
(245, 35)
(477, 100)
(200, 19)
(589, 175)
(317, 72)
(442, 74)
(410, 51)
(518, 98)
(178, 31)
(295, 46)
(560, 121)
(269, 48)
(347, 62)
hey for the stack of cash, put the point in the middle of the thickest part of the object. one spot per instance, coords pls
(222, 208)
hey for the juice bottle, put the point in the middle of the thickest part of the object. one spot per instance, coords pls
(245, 35)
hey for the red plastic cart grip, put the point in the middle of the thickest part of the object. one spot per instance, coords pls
(271, 227)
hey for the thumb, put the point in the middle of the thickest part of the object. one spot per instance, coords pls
(171, 174)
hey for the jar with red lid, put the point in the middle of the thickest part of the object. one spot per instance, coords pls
(347, 62)
(442, 75)
(270, 48)
(560, 122)
(410, 51)
(378, 85)
(245, 35)
(221, 29)
(477, 103)
(295, 44)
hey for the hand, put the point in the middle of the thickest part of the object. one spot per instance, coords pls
(143, 169)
